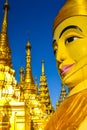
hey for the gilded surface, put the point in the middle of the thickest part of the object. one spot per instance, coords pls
(21, 105)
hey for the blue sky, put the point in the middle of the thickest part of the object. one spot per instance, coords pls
(32, 20)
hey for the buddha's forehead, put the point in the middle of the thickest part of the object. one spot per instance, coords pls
(79, 21)
(69, 9)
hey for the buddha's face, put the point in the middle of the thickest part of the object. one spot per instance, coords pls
(70, 48)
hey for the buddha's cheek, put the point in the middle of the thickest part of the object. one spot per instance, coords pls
(78, 49)
(77, 74)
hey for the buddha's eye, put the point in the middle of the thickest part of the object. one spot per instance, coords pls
(71, 39)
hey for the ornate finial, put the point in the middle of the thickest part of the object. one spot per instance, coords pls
(28, 55)
(28, 46)
(6, 5)
(21, 74)
(28, 72)
(43, 67)
(4, 23)
(72, 8)
(5, 52)
(21, 70)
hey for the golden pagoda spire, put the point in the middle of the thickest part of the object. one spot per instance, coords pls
(4, 23)
(21, 74)
(29, 83)
(62, 97)
(28, 72)
(43, 71)
(5, 52)
(44, 92)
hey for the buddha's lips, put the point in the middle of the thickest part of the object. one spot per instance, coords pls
(65, 69)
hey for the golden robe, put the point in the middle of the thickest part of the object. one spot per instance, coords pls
(72, 113)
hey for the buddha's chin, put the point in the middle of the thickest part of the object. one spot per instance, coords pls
(77, 74)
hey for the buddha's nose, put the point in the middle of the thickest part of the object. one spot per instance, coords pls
(61, 53)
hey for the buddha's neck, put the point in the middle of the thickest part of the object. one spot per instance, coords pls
(81, 86)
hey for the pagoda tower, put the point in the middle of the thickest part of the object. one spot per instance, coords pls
(5, 51)
(29, 84)
(35, 114)
(62, 97)
(7, 74)
(44, 92)
(12, 111)
(21, 104)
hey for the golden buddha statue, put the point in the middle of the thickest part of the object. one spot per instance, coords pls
(70, 49)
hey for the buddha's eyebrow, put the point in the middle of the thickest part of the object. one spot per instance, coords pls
(69, 27)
